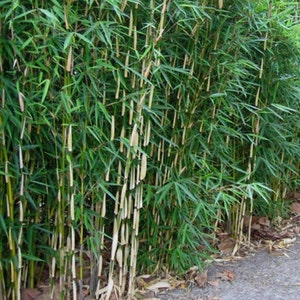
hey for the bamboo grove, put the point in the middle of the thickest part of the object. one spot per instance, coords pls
(131, 130)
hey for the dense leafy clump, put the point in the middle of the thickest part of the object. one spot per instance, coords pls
(131, 129)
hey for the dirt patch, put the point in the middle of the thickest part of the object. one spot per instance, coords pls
(262, 275)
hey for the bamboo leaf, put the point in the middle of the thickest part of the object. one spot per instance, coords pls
(31, 257)
(69, 40)
(50, 15)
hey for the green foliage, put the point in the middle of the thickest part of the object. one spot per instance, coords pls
(127, 123)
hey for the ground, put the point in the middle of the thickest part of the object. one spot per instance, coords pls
(267, 268)
(264, 275)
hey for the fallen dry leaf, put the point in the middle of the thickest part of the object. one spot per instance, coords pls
(226, 275)
(297, 196)
(264, 221)
(145, 280)
(295, 207)
(222, 235)
(247, 220)
(145, 295)
(226, 246)
(287, 242)
(214, 282)
(30, 294)
(162, 284)
(296, 229)
(47, 292)
(229, 274)
(201, 279)
(255, 226)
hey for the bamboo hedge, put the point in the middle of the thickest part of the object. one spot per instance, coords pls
(130, 130)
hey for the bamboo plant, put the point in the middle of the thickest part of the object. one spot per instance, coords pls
(131, 130)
